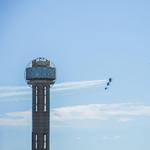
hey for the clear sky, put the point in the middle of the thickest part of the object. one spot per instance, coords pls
(88, 40)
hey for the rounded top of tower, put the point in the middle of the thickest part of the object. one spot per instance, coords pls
(40, 70)
(41, 62)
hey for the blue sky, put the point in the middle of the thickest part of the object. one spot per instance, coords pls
(88, 41)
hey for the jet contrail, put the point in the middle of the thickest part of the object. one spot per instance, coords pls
(24, 91)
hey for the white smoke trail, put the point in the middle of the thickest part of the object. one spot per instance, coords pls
(78, 85)
(24, 91)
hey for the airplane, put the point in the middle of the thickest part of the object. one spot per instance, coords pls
(110, 79)
(108, 83)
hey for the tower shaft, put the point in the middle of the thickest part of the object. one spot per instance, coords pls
(40, 117)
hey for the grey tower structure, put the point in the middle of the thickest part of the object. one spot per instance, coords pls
(41, 75)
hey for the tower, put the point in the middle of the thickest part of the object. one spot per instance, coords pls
(41, 75)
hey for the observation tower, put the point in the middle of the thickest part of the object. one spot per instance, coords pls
(40, 75)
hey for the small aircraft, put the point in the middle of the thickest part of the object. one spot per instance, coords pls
(108, 83)
(110, 79)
